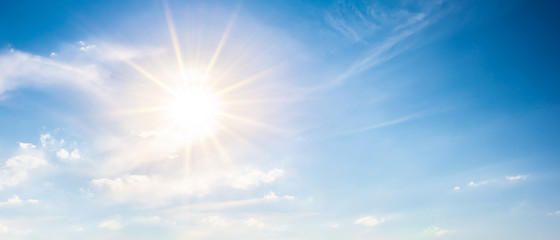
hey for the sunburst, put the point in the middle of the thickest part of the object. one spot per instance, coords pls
(198, 104)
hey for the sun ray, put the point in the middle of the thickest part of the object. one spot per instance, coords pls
(246, 58)
(139, 110)
(255, 101)
(173, 34)
(257, 76)
(237, 136)
(251, 122)
(222, 42)
(151, 77)
(220, 148)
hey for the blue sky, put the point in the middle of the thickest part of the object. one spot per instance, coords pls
(279, 120)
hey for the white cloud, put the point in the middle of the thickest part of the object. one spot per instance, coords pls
(217, 220)
(148, 190)
(17, 168)
(369, 221)
(75, 155)
(474, 184)
(63, 154)
(457, 188)
(145, 134)
(26, 146)
(11, 231)
(289, 197)
(254, 223)
(46, 139)
(16, 201)
(340, 25)
(53, 54)
(438, 232)
(154, 220)
(85, 47)
(271, 196)
(86, 192)
(358, 25)
(5, 229)
(111, 225)
(253, 178)
(126, 185)
(554, 213)
(517, 178)
(21, 69)
(385, 124)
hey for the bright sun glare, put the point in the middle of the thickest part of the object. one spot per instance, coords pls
(195, 111)
(199, 98)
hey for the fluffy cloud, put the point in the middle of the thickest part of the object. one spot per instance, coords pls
(17, 168)
(217, 220)
(85, 47)
(26, 146)
(273, 196)
(111, 225)
(438, 232)
(254, 178)
(46, 139)
(369, 221)
(16, 201)
(63, 154)
(251, 222)
(123, 187)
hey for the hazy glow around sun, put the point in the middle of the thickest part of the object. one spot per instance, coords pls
(194, 111)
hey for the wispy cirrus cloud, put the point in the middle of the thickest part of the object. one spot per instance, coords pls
(517, 178)
(395, 26)
(384, 124)
(20, 69)
(494, 181)
(554, 213)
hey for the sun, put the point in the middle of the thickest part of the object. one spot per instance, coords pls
(194, 111)
(202, 96)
